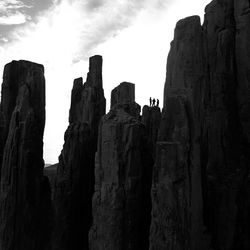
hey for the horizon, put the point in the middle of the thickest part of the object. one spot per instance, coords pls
(134, 41)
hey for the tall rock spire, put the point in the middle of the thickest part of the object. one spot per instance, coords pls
(176, 188)
(121, 202)
(25, 207)
(74, 184)
(202, 160)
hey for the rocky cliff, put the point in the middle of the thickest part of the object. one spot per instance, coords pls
(121, 202)
(176, 189)
(151, 118)
(25, 206)
(176, 180)
(75, 171)
(200, 184)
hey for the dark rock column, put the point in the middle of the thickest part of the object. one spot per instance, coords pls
(151, 118)
(74, 185)
(177, 219)
(242, 50)
(15, 75)
(225, 154)
(25, 206)
(121, 202)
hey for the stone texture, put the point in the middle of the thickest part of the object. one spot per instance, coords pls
(176, 189)
(75, 172)
(151, 118)
(121, 202)
(88, 102)
(50, 172)
(25, 206)
(202, 160)
(221, 159)
(123, 96)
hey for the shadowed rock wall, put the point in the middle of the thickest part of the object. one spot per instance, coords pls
(74, 184)
(121, 202)
(25, 207)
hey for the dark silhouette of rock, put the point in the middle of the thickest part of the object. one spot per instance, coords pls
(151, 118)
(25, 205)
(50, 172)
(75, 171)
(202, 160)
(121, 202)
(176, 188)
(225, 157)
(88, 102)
(123, 96)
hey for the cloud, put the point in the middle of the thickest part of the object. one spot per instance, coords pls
(74, 28)
(11, 12)
(94, 4)
(14, 18)
(13, 4)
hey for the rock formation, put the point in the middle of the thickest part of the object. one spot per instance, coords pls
(25, 206)
(176, 189)
(121, 202)
(151, 118)
(50, 172)
(123, 96)
(75, 172)
(225, 136)
(202, 160)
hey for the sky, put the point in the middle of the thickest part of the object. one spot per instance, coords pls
(133, 36)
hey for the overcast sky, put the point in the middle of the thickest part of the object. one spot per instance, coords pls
(133, 36)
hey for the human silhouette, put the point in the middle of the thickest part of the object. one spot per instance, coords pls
(153, 102)
(157, 103)
(150, 101)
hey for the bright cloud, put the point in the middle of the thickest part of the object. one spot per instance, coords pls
(11, 12)
(13, 18)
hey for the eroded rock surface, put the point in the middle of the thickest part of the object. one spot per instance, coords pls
(121, 202)
(202, 160)
(25, 206)
(151, 118)
(75, 172)
(176, 188)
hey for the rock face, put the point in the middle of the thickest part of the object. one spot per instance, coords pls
(50, 172)
(121, 202)
(176, 188)
(123, 96)
(25, 206)
(75, 172)
(88, 103)
(151, 118)
(201, 177)
(225, 158)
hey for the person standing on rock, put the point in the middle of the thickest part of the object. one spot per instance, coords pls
(150, 101)
(157, 103)
(153, 102)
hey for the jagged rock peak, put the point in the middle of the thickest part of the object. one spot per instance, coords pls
(74, 185)
(188, 22)
(94, 77)
(16, 74)
(185, 59)
(75, 112)
(123, 93)
(25, 208)
(123, 97)
(121, 203)
(88, 103)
